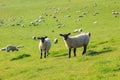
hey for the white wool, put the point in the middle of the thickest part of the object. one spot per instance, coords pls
(34, 37)
(77, 41)
(46, 45)
(77, 30)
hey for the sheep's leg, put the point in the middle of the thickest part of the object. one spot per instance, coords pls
(41, 54)
(45, 53)
(16, 49)
(69, 52)
(74, 51)
(84, 51)
(8, 50)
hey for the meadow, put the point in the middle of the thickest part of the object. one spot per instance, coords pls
(21, 19)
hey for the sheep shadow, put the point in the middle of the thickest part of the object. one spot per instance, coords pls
(104, 50)
(20, 57)
(60, 55)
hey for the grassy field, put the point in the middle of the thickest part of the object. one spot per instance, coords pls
(19, 21)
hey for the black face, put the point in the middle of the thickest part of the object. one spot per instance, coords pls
(65, 36)
(42, 39)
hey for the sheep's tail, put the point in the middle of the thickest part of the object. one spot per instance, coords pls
(89, 34)
(19, 46)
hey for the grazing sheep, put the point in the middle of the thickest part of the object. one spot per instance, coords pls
(44, 45)
(80, 40)
(77, 30)
(34, 37)
(11, 48)
(55, 41)
(41, 17)
(115, 12)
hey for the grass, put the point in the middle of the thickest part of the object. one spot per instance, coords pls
(101, 62)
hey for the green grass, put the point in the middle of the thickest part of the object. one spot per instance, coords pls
(101, 62)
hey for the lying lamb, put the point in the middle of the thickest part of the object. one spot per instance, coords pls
(80, 40)
(44, 45)
(11, 48)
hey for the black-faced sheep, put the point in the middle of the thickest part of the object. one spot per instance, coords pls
(80, 40)
(44, 45)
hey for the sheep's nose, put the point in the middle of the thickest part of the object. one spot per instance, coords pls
(42, 41)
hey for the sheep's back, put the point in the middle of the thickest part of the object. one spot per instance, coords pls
(80, 40)
(11, 48)
(45, 45)
(48, 43)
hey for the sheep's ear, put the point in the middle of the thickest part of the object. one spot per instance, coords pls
(61, 34)
(38, 38)
(45, 36)
(69, 33)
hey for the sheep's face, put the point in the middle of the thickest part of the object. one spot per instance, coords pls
(65, 36)
(42, 39)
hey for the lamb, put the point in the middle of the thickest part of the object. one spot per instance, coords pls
(44, 45)
(11, 48)
(77, 41)
(55, 41)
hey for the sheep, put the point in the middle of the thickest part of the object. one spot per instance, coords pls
(55, 41)
(34, 37)
(77, 41)
(77, 30)
(11, 48)
(115, 12)
(44, 45)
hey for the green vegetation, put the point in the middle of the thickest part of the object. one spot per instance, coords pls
(101, 62)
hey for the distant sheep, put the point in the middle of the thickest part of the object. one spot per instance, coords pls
(115, 12)
(34, 37)
(44, 45)
(11, 48)
(77, 30)
(55, 41)
(80, 40)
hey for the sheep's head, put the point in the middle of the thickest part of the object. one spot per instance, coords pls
(65, 36)
(42, 38)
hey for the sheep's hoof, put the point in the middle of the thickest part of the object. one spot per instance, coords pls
(83, 53)
(75, 55)
(45, 56)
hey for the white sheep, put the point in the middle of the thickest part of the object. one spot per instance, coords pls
(11, 48)
(115, 12)
(80, 40)
(77, 30)
(55, 41)
(44, 45)
(34, 37)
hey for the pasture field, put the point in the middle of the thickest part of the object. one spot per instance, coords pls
(21, 19)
